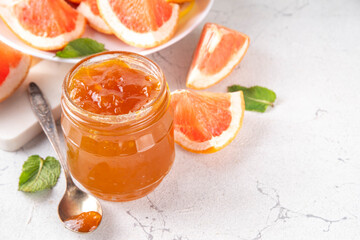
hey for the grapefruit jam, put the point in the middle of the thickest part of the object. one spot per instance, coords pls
(118, 125)
(84, 222)
(112, 88)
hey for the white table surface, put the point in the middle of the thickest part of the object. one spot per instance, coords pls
(291, 173)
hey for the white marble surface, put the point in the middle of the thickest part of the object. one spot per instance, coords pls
(291, 173)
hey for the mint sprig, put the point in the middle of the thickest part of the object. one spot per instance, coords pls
(81, 47)
(256, 98)
(39, 174)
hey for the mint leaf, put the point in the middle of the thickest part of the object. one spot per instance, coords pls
(39, 174)
(81, 47)
(256, 98)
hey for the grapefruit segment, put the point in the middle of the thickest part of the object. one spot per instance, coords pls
(14, 67)
(206, 122)
(43, 24)
(140, 23)
(90, 10)
(218, 52)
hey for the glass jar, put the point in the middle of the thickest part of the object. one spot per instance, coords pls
(119, 157)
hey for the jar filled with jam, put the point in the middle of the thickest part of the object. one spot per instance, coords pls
(118, 125)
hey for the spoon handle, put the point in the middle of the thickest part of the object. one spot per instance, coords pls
(43, 113)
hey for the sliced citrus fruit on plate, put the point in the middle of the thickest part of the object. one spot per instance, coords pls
(90, 10)
(14, 67)
(218, 52)
(206, 122)
(141, 23)
(43, 24)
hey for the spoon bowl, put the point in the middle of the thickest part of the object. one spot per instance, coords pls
(75, 201)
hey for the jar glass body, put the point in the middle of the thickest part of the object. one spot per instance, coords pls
(120, 157)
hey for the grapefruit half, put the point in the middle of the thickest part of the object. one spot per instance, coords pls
(43, 24)
(140, 23)
(14, 67)
(206, 122)
(218, 52)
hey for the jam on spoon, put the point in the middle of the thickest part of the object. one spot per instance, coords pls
(84, 222)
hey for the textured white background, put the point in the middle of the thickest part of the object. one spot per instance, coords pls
(291, 173)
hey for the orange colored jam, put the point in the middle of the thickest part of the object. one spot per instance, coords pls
(84, 222)
(112, 88)
(122, 147)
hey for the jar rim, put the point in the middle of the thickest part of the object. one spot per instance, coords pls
(121, 118)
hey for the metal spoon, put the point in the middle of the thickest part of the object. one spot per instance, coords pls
(74, 201)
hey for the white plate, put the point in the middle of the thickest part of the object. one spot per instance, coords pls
(186, 25)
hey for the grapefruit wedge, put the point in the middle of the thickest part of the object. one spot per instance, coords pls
(219, 50)
(14, 67)
(140, 23)
(90, 10)
(43, 24)
(206, 122)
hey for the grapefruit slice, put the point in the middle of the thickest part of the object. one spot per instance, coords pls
(90, 10)
(43, 24)
(141, 23)
(219, 50)
(14, 67)
(206, 122)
